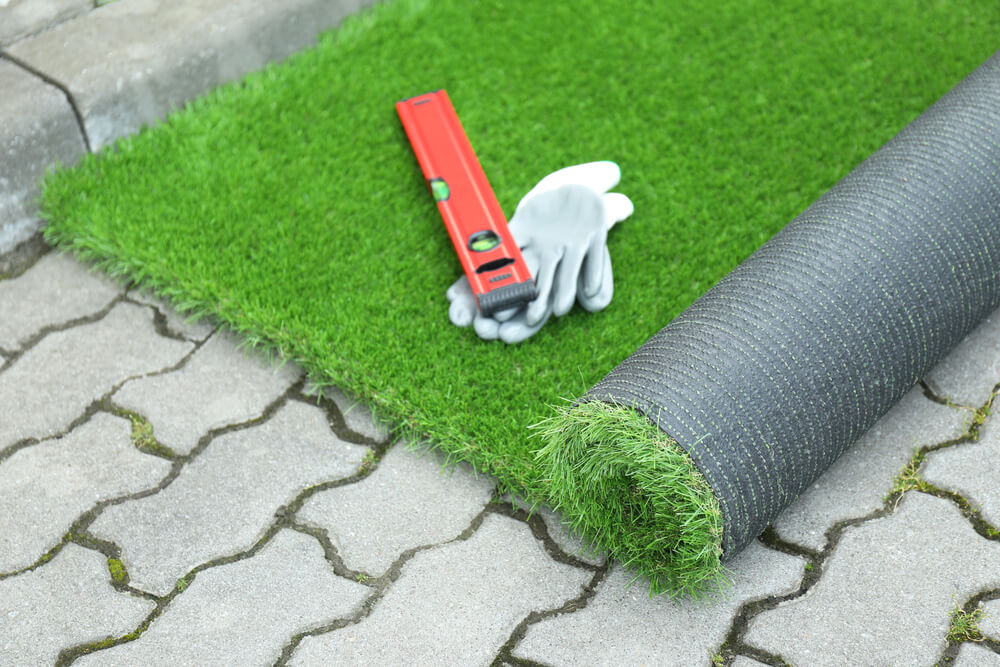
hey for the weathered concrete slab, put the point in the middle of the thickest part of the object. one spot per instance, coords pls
(972, 469)
(66, 602)
(128, 64)
(856, 483)
(48, 387)
(886, 591)
(224, 500)
(243, 613)
(622, 625)
(408, 501)
(219, 386)
(970, 372)
(45, 487)
(20, 18)
(456, 604)
(37, 129)
(55, 290)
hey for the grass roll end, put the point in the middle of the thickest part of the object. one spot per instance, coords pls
(630, 489)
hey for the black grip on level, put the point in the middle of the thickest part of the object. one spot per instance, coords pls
(767, 378)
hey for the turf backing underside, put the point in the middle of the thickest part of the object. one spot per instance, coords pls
(290, 205)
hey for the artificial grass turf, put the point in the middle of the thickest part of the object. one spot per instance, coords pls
(290, 205)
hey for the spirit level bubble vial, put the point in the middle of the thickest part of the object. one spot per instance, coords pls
(478, 229)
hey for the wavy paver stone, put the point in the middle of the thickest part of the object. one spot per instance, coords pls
(976, 655)
(968, 375)
(127, 64)
(68, 601)
(197, 330)
(357, 416)
(244, 612)
(19, 18)
(622, 625)
(989, 625)
(453, 604)
(38, 129)
(223, 501)
(219, 386)
(743, 661)
(45, 487)
(50, 385)
(856, 483)
(570, 542)
(886, 591)
(972, 469)
(408, 501)
(56, 289)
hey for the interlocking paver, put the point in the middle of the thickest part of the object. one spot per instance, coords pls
(975, 655)
(243, 613)
(127, 64)
(972, 469)
(19, 18)
(45, 487)
(743, 661)
(453, 604)
(857, 482)
(357, 416)
(56, 289)
(219, 386)
(990, 622)
(621, 624)
(569, 542)
(223, 501)
(886, 591)
(970, 372)
(66, 602)
(38, 129)
(197, 330)
(408, 501)
(49, 386)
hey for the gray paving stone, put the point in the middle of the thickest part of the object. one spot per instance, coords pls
(224, 500)
(66, 602)
(20, 18)
(856, 484)
(219, 386)
(56, 289)
(243, 613)
(197, 330)
(743, 661)
(886, 591)
(45, 487)
(570, 542)
(49, 386)
(38, 129)
(454, 604)
(976, 655)
(408, 501)
(357, 416)
(969, 373)
(972, 469)
(128, 64)
(622, 625)
(989, 624)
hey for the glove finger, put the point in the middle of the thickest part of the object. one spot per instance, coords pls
(517, 330)
(504, 315)
(594, 268)
(546, 276)
(461, 313)
(603, 297)
(599, 176)
(459, 289)
(567, 276)
(486, 328)
(617, 207)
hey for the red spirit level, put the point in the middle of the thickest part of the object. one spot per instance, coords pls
(491, 259)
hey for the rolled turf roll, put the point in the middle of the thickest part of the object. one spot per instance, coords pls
(686, 451)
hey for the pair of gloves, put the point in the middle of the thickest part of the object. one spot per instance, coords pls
(561, 226)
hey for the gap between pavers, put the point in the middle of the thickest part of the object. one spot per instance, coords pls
(224, 500)
(453, 604)
(242, 613)
(45, 487)
(886, 591)
(972, 469)
(68, 601)
(622, 625)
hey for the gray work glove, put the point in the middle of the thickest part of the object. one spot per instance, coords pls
(561, 226)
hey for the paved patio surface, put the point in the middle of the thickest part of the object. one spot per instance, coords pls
(167, 497)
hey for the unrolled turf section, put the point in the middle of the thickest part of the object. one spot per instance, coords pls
(290, 206)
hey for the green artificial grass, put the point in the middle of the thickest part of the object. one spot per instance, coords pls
(290, 206)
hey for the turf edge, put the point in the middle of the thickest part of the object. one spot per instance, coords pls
(629, 488)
